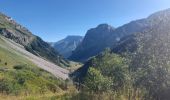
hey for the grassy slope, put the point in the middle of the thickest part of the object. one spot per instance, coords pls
(44, 64)
(26, 79)
(10, 56)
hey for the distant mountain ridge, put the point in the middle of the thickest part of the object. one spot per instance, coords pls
(67, 45)
(108, 39)
(155, 22)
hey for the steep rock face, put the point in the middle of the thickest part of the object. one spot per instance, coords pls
(19, 34)
(93, 43)
(10, 29)
(66, 46)
(108, 39)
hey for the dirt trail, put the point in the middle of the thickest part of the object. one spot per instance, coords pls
(40, 62)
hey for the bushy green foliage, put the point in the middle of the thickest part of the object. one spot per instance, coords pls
(24, 79)
(96, 82)
(109, 77)
(110, 67)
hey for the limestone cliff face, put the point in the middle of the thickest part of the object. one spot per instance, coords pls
(93, 43)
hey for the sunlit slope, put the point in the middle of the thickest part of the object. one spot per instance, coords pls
(12, 54)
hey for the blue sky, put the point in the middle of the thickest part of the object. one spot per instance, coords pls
(52, 20)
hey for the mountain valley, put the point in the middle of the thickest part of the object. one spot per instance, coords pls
(131, 62)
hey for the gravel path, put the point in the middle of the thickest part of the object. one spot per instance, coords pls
(40, 62)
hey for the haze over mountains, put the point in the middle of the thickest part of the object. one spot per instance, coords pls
(67, 45)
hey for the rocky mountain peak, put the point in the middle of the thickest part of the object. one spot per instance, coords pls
(105, 27)
(93, 43)
(161, 15)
